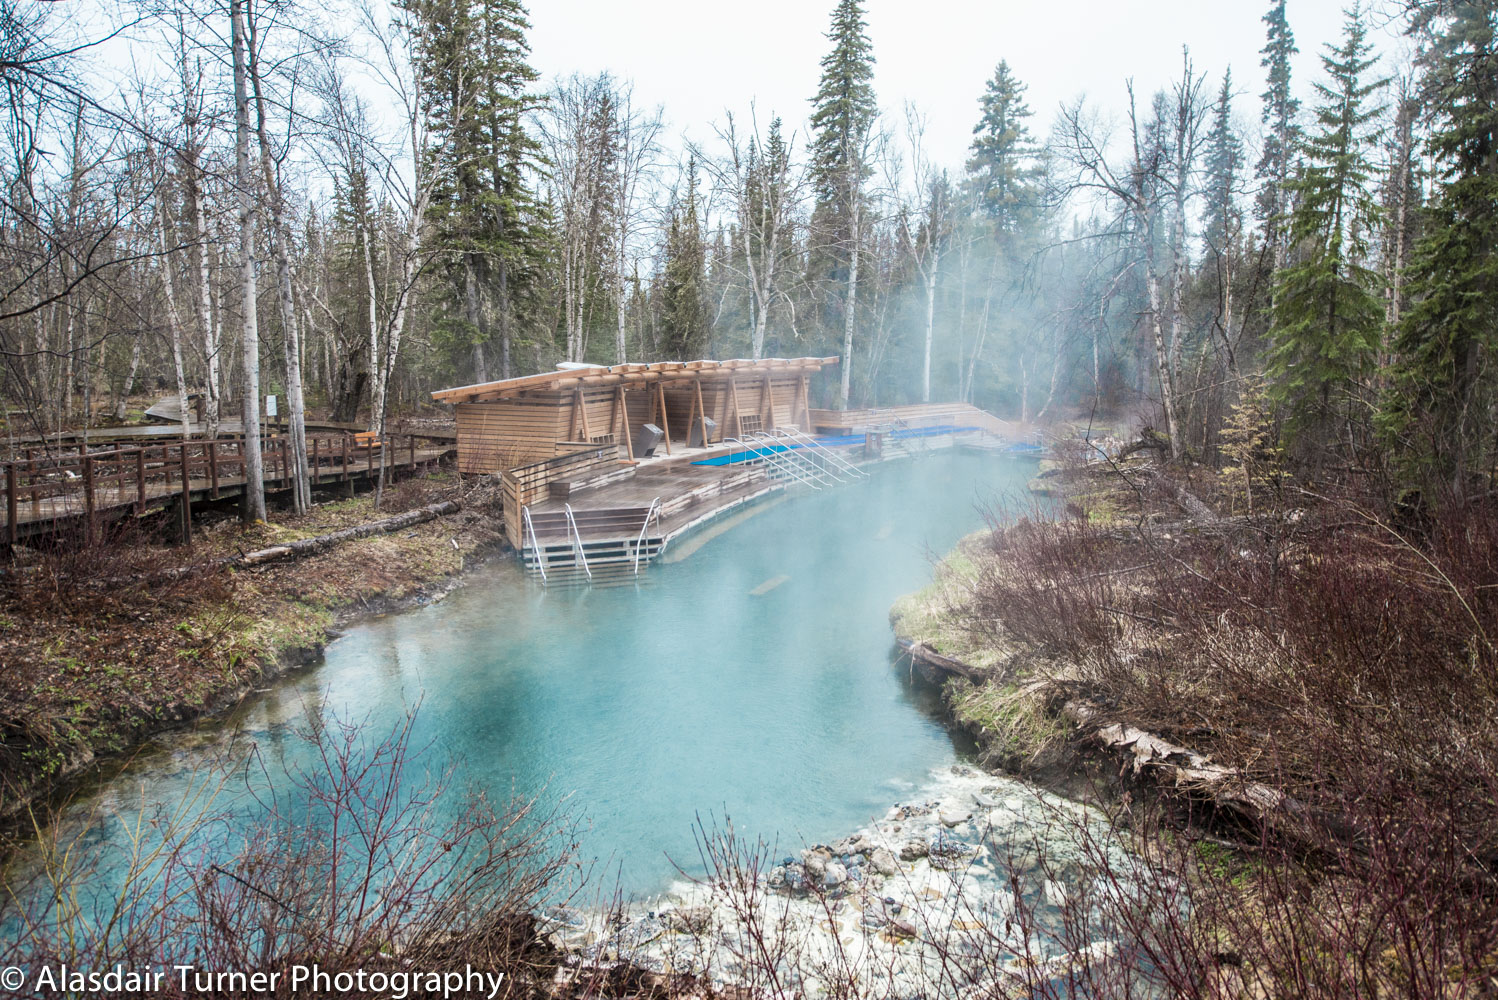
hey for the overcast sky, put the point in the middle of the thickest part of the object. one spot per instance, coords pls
(697, 58)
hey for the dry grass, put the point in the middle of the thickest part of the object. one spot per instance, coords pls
(95, 658)
(1333, 651)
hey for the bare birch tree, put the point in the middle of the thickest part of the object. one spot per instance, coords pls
(252, 505)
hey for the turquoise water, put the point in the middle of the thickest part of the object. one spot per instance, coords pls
(751, 673)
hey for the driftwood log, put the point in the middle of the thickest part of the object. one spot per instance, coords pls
(1186, 770)
(934, 664)
(1150, 756)
(290, 550)
(308, 546)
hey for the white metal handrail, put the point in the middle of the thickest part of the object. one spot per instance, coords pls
(525, 512)
(827, 453)
(796, 453)
(775, 461)
(793, 459)
(654, 511)
(577, 541)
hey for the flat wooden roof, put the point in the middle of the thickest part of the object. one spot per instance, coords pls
(578, 378)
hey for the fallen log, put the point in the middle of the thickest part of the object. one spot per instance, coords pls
(933, 664)
(1185, 769)
(1168, 764)
(308, 546)
(289, 550)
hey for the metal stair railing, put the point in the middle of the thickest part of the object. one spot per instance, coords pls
(540, 557)
(654, 511)
(772, 460)
(578, 555)
(794, 458)
(823, 452)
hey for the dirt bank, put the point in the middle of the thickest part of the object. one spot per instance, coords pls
(94, 665)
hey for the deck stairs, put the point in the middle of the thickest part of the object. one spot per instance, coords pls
(608, 545)
(898, 445)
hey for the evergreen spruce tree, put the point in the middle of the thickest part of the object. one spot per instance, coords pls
(1003, 207)
(1222, 222)
(1002, 171)
(684, 312)
(842, 120)
(1220, 217)
(1441, 407)
(1328, 313)
(1281, 133)
(475, 75)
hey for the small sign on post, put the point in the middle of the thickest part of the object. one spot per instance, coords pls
(270, 406)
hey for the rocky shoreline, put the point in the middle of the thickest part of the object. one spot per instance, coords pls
(977, 874)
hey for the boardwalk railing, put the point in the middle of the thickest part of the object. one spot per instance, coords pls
(919, 415)
(528, 484)
(50, 485)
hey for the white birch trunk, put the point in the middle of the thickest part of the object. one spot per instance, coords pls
(252, 507)
(296, 420)
(174, 322)
(850, 304)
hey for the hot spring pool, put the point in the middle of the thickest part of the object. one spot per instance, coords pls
(750, 673)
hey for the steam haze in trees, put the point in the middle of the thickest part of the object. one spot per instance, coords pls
(1131, 212)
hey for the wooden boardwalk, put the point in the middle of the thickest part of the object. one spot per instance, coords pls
(57, 490)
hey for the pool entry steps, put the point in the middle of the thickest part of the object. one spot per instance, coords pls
(601, 467)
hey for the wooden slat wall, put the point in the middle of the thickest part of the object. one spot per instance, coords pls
(503, 434)
(493, 437)
(531, 483)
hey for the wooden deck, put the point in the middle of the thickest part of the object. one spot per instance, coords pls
(56, 490)
(920, 415)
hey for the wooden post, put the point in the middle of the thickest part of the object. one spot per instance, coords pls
(212, 447)
(140, 481)
(701, 412)
(315, 459)
(411, 439)
(619, 401)
(285, 465)
(581, 407)
(186, 500)
(345, 456)
(738, 413)
(12, 529)
(665, 424)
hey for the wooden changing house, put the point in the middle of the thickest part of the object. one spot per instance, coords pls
(516, 422)
(576, 496)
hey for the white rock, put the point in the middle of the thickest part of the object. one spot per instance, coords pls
(953, 817)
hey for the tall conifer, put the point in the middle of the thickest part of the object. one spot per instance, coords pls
(1441, 408)
(1281, 133)
(1328, 315)
(842, 120)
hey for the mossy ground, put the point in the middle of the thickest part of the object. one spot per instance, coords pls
(1010, 723)
(93, 667)
(927, 615)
